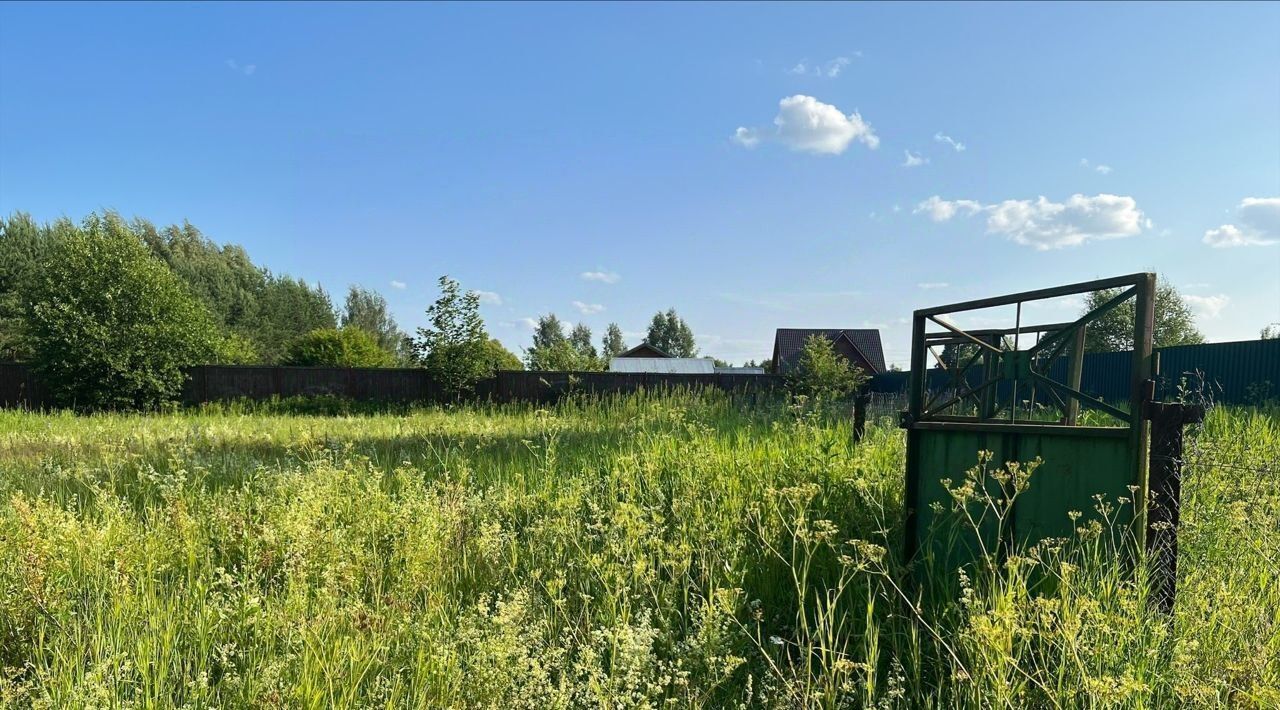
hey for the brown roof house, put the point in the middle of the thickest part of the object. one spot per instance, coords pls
(860, 346)
(643, 350)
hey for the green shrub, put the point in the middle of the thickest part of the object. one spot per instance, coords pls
(823, 374)
(235, 349)
(497, 357)
(337, 347)
(109, 325)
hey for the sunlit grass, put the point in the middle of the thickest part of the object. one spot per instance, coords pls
(636, 551)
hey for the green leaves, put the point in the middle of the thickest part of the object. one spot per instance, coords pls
(108, 325)
(553, 350)
(672, 335)
(455, 346)
(823, 374)
(1174, 324)
(337, 347)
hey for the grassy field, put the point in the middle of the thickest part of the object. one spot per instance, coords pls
(646, 551)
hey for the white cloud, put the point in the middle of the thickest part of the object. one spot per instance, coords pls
(246, 69)
(913, 160)
(1259, 219)
(1099, 168)
(1207, 306)
(940, 210)
(1043, 224)
(746, 137)
(1262, 214)
(943, 138)
(830, 69)
(1228, 235)
(588, 309)
(398, 285)
(488, 297)
(1051, 225)
(601, 275)
(808, 125)
(529, 322)
(929, 285)
(835, 66)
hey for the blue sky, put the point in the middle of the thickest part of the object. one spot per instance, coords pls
(746, 164)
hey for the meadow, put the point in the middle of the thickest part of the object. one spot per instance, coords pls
(679, 550)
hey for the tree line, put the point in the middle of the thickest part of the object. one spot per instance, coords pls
(109, 311)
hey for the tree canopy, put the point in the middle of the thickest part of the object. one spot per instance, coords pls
(366, 310)
(257, 313)
(337, 347)
(671, 334)
(612, 345)
(109, 325)
(497, 357)
(454, 347)
(553, 350)
(1174, 322)
(821, 373)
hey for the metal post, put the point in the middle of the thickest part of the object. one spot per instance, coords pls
(1165, 500)
(915, 401)
(1075, 370)
(860, 402)
(1144, 316)
(991, 365)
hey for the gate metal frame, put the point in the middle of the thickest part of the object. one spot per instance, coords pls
(1002, 364)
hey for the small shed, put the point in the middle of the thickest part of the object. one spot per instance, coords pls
(860, 346)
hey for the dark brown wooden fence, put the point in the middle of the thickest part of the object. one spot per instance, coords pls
(545, 387)
(219, 383)
(1238, 373)
(216, 383)
(19, 387)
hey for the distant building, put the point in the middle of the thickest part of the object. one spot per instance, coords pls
(740, 371)
(643, 350)
(860, 346)
(664, 365)
(647, 358)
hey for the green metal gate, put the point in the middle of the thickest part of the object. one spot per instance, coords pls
(990, 390)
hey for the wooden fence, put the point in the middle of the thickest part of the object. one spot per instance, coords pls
(1238, 373)
(19, 387)
(545, 387)
(216, 383)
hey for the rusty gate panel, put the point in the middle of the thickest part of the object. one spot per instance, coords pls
(1003, 390)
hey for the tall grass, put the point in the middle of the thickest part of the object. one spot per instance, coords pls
(635, 551)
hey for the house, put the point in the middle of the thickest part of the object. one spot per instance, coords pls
(860, 346)
(643, 350)
(647, 358)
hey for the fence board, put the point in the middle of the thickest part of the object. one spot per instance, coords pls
(1237, 373)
